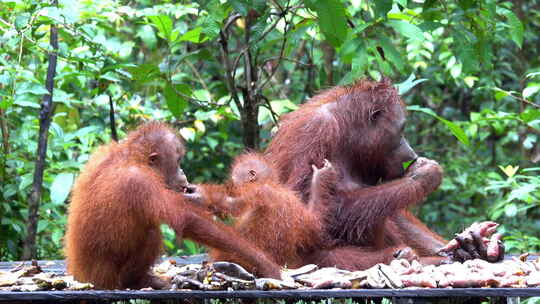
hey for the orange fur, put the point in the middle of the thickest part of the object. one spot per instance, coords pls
(118, 202)
(275, 220)
(268, 214)
(358, 128)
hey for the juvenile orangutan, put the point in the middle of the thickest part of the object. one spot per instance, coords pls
(125, 191)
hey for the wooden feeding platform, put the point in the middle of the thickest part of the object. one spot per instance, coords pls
(401, 296)
(499, 295)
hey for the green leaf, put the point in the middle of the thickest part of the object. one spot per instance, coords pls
(60, 187)
(111, 76)
(349, 50)
(402, 2)
(408, 84)
(240, 6)
(509, 170)
(530, 115)
(22, 20)
(199, 126)
(534, 74)
(359, 28)
(484, 48)
(428, 4)
(465, 50)
(360, 62)
(42, 225)
(456, 130)
(382, 7)
(193, 35)
(33, 88)
(144, 72)
(212, 142)
(216, 10)
(53, 13)
(500, 93)
(56, 236)
(516, 27)
(523, 193)
(391, 52)
(407, 164)
(428, 26)
(148, 36)
(210, 26)
(176, 102)
(531, 90)
(466, 4)
(455, 70)
(164, 25)
(5, 102)
(188, 133)
(510, 210)
(279, 107)
(332, 20)
(66, 117)
(469, 80)
(399, 16)
(202, 95)
(407, 29)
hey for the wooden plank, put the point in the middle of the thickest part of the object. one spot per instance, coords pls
(278, 294)
(59, 266)
(55, 266)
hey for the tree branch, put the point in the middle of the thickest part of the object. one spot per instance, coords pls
(248, 46)
(112, 122)
(201, 80)
(526, 101)
(45, 116)
(268, 105)
(5, 131)
(280, 58)
(5, 145)
(225, 58)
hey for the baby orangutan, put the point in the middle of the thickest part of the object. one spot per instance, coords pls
(268, 214)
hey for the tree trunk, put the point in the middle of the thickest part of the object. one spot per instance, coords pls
(250, 124)
(45, 116)
(250, 112)
(5, 145)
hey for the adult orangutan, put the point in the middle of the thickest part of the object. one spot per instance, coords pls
(125, 191)
(358, 128)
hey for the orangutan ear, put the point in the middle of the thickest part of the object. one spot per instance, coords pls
(252, 175)
(374, 115)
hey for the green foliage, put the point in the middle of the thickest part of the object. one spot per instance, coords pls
(454, 128)
(472, 66)
(332, 19)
